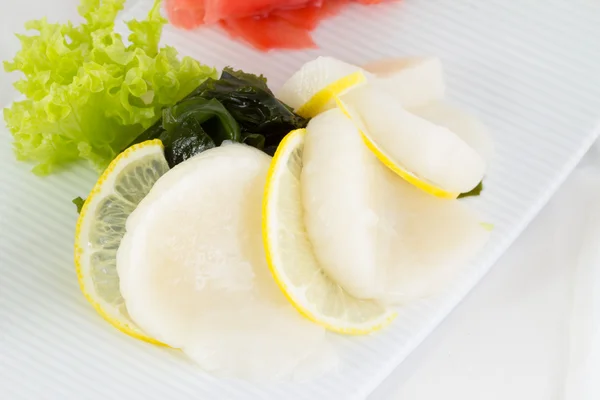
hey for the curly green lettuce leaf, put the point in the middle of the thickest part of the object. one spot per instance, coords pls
(88, 93)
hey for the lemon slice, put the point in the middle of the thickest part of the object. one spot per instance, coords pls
(101, 226)
(291, 258)
(312, 89)
(429, 156)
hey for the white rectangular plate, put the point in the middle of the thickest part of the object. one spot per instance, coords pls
(529, 69)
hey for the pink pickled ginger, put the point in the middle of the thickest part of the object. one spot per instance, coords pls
(264, 24)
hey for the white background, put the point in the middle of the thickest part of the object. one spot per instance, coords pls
(509, 338)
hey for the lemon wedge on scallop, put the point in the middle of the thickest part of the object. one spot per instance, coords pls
(291, 256)
(101, 226)
(313, 88)
(427, 155)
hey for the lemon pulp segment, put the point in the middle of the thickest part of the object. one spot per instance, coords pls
(101, 226)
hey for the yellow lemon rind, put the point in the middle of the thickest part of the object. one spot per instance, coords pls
(118, 324)
(404, 174)
(280, 278)
(316, 104)
(394, 166)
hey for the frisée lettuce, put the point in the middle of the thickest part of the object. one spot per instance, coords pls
(88, 93)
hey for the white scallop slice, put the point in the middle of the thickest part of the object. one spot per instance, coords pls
(431, 152)
(432, 241)
(337, 178)
(375, 234)
(413, 81)
(313, 77)
(462, 123)
(194, 276)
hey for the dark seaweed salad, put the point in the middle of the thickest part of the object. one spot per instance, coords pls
(238, 107)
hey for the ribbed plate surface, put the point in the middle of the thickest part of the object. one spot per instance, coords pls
(530, 70)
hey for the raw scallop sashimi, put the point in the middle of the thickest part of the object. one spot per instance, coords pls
(194, 275)
(466, 126)
(373, 233)
(412, 146)
(337, 181)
